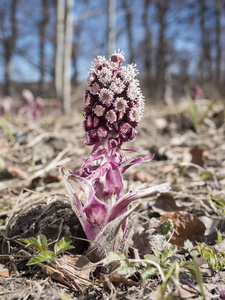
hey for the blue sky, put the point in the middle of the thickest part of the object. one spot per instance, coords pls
(185, 38)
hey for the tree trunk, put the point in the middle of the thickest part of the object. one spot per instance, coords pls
(147, 40)
(129, 22)
(161, 63)
(67, 57)
(9, 47)
(42, 37)
(75, 50)
(111, 27)
(218, 44)
(59, 50)
(8, 83)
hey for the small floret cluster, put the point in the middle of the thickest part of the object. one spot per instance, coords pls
(113, 103)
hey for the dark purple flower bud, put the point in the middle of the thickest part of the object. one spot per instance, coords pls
(125, 128)
(96, 122)
(99, 110)
(102, 132)
(109, 127)
(91, 137)
(89, 121)
(113, 143)
(133, 133)
(116, 126)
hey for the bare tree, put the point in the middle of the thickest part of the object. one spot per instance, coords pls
(206, 39)
(75, 50)
(111, 26)
(67, 57)
(148, 39)
(64, 52)
(129, 25)
(59, 49)
(42, 35)
(161, 63)
(218, 12)
(8, 40)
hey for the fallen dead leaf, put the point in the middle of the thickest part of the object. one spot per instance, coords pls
(148, 238)
(71, 270)
(197, 156)
(4, 271)
(186, 292)
(166, 203)
(211, 223)
(117, 279)
(186, 227)
(210, 287)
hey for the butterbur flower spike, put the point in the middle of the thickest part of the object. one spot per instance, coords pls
(115, 97)
(113, 109)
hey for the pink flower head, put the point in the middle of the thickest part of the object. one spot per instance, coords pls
(95, 89)
(128, 73)
(120, 104)
(134, 115)
(105, 75)
(117, 86)
(99, 62)
(106, 96)
(132, 92)
(111, 116)
(91, 78)
(118, 57)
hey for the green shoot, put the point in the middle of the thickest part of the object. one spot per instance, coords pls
(214, 258)
(41, 245)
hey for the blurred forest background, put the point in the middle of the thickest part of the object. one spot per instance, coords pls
(178, 46)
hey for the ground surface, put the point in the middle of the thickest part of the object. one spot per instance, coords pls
(188, 142)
